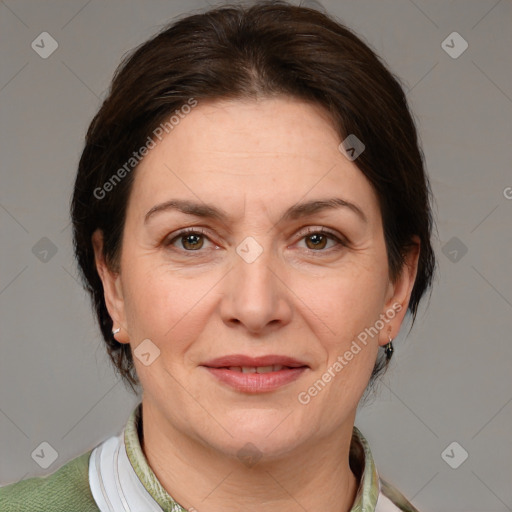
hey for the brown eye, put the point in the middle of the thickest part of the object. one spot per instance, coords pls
(191, 240)
(318, 241)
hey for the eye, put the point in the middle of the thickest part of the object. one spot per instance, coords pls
(316, 239)
(192, 239)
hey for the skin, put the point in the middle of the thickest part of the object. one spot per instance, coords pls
(254, 159)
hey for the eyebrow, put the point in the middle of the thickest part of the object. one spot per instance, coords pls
(294, 212)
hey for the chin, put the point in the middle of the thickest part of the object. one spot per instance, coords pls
(259, 449)
(271, 433)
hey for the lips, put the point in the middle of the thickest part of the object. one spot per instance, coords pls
(242, 361)
(255, 374)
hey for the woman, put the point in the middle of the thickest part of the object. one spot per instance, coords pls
(252, 219)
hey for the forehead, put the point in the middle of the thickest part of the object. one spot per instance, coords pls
(269, 152)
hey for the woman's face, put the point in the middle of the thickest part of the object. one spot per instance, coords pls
(255, 280)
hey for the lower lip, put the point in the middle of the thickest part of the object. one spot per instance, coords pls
(256, 382)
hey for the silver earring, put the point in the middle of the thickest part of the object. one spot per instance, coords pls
(388, 349)
(115, 331)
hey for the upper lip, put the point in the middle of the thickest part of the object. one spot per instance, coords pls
(248, 361)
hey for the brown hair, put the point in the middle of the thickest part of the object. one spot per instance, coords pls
(267, 49)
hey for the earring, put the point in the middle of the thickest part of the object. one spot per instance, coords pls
(388, 349)
(115, 331)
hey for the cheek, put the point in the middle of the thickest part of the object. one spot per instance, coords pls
(352, 301)
(164, 307)
(351, 306)
(351, 351)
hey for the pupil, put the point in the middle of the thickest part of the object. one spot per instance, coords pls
(317, 239)
(194, 239)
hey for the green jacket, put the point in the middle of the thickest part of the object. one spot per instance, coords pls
(65, 490)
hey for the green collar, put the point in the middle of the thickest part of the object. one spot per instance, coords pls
(361, 462)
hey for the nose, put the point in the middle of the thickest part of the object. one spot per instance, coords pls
(255, 294)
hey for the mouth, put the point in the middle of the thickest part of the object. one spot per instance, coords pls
(257, 369)
(255, 374)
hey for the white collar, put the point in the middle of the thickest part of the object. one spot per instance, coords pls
(114, 484)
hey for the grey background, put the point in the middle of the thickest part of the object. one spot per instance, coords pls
(449, 379)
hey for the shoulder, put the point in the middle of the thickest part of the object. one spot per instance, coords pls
(65, 490)
(391, 499)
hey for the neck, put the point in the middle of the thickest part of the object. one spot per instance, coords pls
(316, 476)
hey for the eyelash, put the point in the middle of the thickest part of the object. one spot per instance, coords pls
(310, 231)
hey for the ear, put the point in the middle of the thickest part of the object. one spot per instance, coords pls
(399, 293)
(112, 288)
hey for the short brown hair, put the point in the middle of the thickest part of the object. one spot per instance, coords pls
(262, 50)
